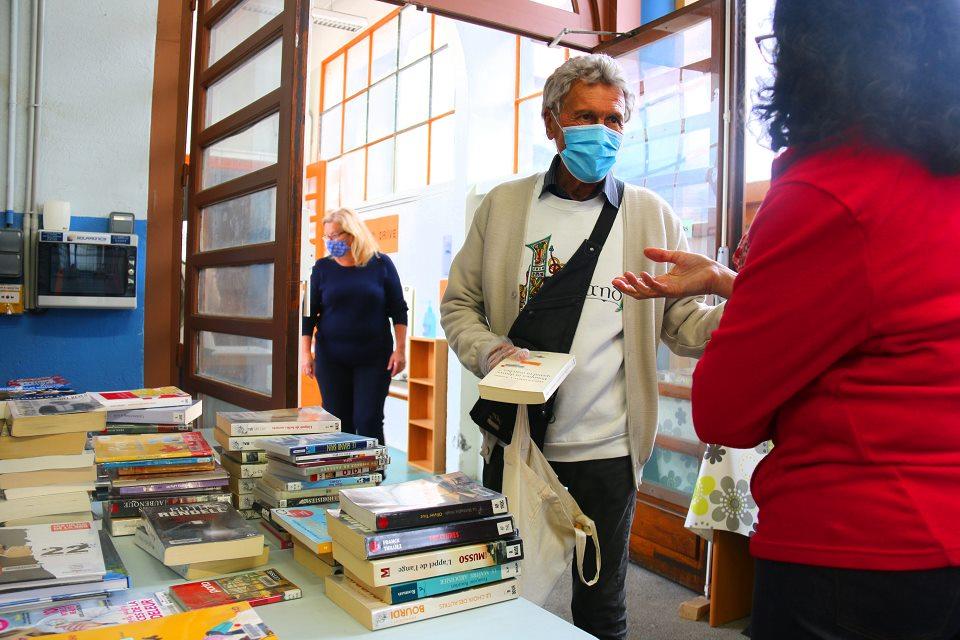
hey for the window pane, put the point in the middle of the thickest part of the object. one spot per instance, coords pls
(333, 82)
(240, 23)
(358, 64)
(244, 292)
(238, 360)
(380, 169)
(352, 178)
(672, 470)
(412, 159)
(444, 83)
(537, 62)
(245, 220)
(331, 124)
(238, 155)
(444, 31)
(413, 97)
(355, 123)
(441, 150)
(253, 79)
(534, 150)
(414, 35)
(385, 50)
(383, 108)
(332, 186)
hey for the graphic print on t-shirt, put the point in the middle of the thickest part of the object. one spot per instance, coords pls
(542, 267)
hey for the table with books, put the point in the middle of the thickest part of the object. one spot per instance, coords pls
(288, 515)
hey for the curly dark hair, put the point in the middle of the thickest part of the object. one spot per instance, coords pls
(886, 70)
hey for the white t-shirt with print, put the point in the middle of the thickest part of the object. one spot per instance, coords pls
(591, 408)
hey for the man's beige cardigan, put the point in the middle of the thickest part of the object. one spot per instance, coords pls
(481, 303)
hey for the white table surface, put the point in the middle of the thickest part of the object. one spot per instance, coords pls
(314, 617)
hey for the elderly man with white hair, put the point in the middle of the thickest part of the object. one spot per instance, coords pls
(541, 269)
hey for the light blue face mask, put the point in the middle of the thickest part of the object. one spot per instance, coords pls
(337, 248)
(589, 150)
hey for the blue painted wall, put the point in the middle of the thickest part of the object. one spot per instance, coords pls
(96, 350)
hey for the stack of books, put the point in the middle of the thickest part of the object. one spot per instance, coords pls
(198, 541)
(156, 470)
(311, 470)
(46, 471)
(422, 549)
(49, 563)
(121, 607)
(241, 434)
(159, 410)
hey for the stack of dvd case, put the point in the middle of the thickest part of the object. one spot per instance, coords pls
(309, 470)
(421, 549)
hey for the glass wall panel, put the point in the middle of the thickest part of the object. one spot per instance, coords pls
(358, 66)
(413, 96)
(412, 159)
(380, 169)
(385, 50)
(355, 122)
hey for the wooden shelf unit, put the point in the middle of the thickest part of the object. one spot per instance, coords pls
(427, 405)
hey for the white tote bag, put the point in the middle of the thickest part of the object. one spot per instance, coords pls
(549, 519)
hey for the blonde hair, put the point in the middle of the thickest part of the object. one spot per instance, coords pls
(364, 245)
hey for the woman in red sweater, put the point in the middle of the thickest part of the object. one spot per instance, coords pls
(841, 338)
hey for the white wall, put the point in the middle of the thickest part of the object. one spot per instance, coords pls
(97, 91)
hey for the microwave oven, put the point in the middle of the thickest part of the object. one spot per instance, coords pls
(83, 269)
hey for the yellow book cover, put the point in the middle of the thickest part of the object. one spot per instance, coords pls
(150, 446)
(227, 622)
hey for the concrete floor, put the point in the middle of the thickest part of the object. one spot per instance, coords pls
(652, 604)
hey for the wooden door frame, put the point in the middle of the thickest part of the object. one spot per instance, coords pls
(168, 141)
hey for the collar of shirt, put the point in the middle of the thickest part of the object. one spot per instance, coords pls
(609, 187)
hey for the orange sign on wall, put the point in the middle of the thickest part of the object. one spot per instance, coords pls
(386, 230)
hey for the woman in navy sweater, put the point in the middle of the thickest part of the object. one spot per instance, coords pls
(355, 293)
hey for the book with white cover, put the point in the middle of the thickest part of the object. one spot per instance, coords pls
(142, 398)
(160, 415)
(72, 502)
(62, 414)
(46, 463)
(530, 381)
(375, 614)
(39, 492)
(40, 555)
(277, 422)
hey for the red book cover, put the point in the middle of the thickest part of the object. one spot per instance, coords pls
(256, 587)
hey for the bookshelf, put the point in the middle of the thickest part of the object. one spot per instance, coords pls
(427, 404)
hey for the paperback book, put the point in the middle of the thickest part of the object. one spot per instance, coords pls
(374, 614)
(55, 444)
(255, 587)
(420, 503)
(63, 414)
(46, 463)
(201, 532)
(147, 447)
(142, 398)
(129, 428)
(240, 470)
(279, 484)
(161, 415)
(130, 507)
(313, 492)
(530, 381)
(36, 555)
(308, 526)
(178, 466)
(234, 444)
(160, 463)
(381, 572)
(291, 473)
(320, 443)
(280, 536)
(243, 457)
(87, 614)
(367, 544)
(272, 503)
(233, 621)
(427, 587)
(277, 422)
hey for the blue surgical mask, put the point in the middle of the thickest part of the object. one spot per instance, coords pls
(337, 248)
(589, 151)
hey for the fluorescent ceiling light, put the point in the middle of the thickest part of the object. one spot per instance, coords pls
(338, 20)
